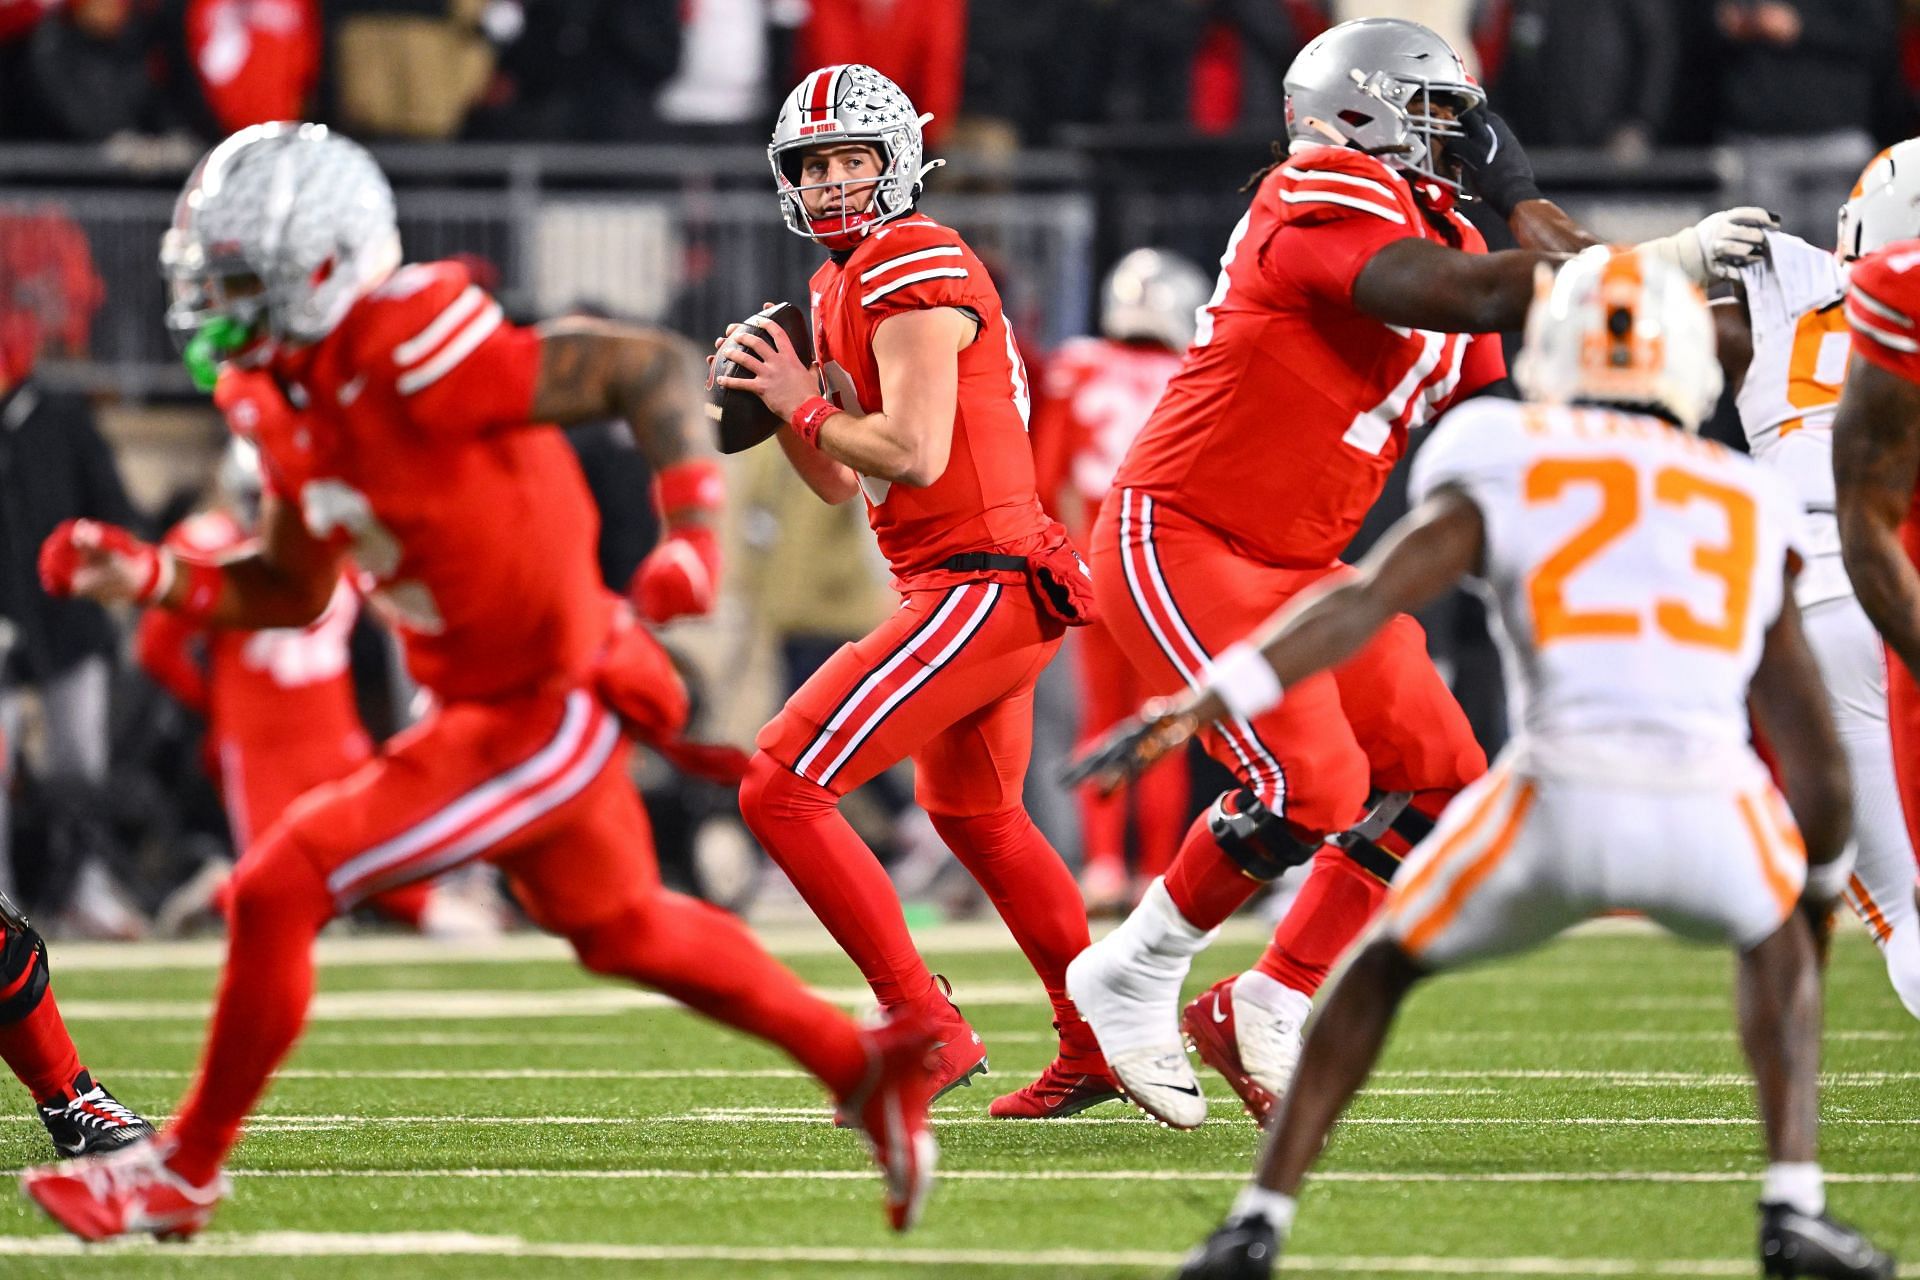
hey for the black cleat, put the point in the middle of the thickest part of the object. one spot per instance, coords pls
(1803, 1244)
(89, 1121)
(1238, 1249)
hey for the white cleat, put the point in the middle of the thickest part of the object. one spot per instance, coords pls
(1133, 1009)
(1270, 1022)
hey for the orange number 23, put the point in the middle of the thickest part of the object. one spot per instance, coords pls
(1731, 563)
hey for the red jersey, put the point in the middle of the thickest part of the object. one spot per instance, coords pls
(1292, 405)
(1883, 308)
(985, 500)
(1096, 395)
(273, 691)
(472, 532)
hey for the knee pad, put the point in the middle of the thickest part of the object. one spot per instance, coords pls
(1378, 842)
(23, 965)
(1258, 840)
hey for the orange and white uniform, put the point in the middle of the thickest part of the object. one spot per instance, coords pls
(1801, 345)
(1636, 569)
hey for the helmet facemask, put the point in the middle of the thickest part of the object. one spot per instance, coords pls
(890, 193)
(1410, 100)
(216, 311)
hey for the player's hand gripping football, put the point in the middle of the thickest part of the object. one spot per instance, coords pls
(103, 562)
(1163, 726)
(779, 378)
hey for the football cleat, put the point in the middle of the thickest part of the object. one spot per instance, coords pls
(1061, 1091)
(1134, 1014)
(889, 1110)
(89, 1121)
(1210, 1027)
(962, 1054)
(129, 1192)
(1795, 1244)
(1238, 1249)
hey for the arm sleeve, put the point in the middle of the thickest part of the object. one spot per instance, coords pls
(1881, 310)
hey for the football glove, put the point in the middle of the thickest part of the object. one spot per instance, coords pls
(1132, 747)
(103, 562)
(681, 576)
(1494, 161)
(1719, 246)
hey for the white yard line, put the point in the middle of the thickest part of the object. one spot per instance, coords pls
(445, 1244)
(1228, 1176)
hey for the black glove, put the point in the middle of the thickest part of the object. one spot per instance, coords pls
(1494, 160)
(1130, 748)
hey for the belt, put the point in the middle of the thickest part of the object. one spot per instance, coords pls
(982, 561)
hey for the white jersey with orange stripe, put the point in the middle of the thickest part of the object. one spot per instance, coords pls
(1636, 569)
(1792, 386)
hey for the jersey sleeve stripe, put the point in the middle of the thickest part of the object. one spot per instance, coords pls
(462, 346)
(1879, 308)
(939, 251)
(1885, 337)
(1351, 202)
(457, 313)
(1352, 180)
(913, 277)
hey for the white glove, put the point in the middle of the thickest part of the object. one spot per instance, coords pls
(1719, 246)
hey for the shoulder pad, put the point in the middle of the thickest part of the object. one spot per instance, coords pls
(1330, 184)
(1883, 300)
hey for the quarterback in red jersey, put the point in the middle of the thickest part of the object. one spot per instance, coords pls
(1354, 301)
(925, 416)
(415, 447)
(1095, 396)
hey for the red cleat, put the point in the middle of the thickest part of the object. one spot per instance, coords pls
(962, 1054)
(889, 1110)
(1061, 1091)
(1208, 1022)
(127, 1193)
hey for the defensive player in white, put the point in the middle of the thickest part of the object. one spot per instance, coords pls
(1785, 308)
(1641, 577)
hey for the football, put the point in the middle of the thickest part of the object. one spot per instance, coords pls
(740, 416)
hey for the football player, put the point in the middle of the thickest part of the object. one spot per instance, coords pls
(1784, 313)
(1643, 576)
(1353, 302)
(415, 445)
(1096, 394)
(924, 416)
(251, 685)
(81, 1117)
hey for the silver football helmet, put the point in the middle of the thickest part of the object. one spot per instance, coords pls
(278, 231)
(848, 103)
(1154, 295)
(1371, 84)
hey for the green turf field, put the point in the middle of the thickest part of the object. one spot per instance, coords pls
(1579, 1112)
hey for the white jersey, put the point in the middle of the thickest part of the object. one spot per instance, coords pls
(1636, 569)
(1786, 402)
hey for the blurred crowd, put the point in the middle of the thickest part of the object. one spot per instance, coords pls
(1627, 75)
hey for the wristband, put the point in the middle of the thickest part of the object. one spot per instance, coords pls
(698, 485)
(811, 416)
(1826, 881)
(204, 581)
(158, 582)
(1243, 679)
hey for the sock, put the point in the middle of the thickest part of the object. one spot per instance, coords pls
(1256, 1201)
(1034, 893)
(708, 961)
(38, 1049)
(1205, 885)
(1333, 907)
(800, 827)
(279, 904)
(1159, 812)
(1798, 1186)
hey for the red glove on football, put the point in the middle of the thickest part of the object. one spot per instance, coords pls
(681, 576)
(103, 562)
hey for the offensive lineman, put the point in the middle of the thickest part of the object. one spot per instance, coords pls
(925, 417)
(413, 447)
(1096, 394)
(1787, 312)
(1341, 320)
(1643, 583)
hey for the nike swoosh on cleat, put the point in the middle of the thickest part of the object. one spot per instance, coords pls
(1218, 1015)
(1192, 1091)
(73, 1150)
